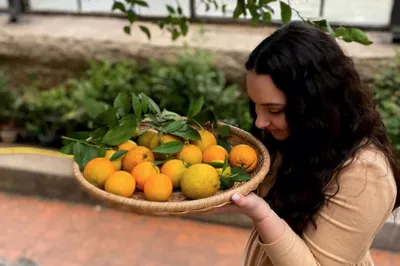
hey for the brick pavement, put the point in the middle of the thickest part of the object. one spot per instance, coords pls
(65, 234)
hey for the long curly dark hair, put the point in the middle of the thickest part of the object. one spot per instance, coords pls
(329, 113)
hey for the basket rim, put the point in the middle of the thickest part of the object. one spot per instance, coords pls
(186, 206)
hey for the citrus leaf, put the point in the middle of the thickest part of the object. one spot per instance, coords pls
(137, 107)
(144, 103)
(170, 115)
(98, 134)
(224, 130)
(67, 149)
(78, 152)
(117, 135)
(195, 107)
(141, 3)
(187, 132)
(129, 121)
(93, 108)
(216, 164)
(169, 147)
(224, 143)
(122, 103)
(158, 163)
(118, 154)
(152, 105)
(89, 154)
(80, 135)
(226, 183)
(174, 126)
(286, 12)
(239, 175)
(101, 152)
(107, 118)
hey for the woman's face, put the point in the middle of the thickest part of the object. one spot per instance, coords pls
(269, 104)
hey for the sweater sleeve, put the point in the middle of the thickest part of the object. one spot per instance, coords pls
(347, 225)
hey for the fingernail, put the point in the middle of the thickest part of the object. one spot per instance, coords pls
(235, 197)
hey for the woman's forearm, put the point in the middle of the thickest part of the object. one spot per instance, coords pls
(271, 228)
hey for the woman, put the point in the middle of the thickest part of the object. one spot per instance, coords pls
(335, 177)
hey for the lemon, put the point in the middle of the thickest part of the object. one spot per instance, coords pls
(200, 181)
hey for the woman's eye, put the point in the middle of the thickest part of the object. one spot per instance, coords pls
(275, 112)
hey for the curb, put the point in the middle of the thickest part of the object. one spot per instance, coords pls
(48, 174)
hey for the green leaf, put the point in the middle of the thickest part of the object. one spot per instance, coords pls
(352, 35)
(187, 132)
(79, 152)
(322, 24)
(169, 147)
(216, 164)
(117, 135)
(204, 116)
(118, 5)
(127, 29)
(226, 183)
(195, 106)
(129, 121)
(267, 17)
(179, 9)
(123, 103)
(101, 152)
(174, 126)
(89, 154)
(224, 130)
(239, 175)
(137, 107)
(170, 9)
(141, 3)
(226, 163)
(146, 31)
(152, 105)
(286, 12)
(184, 28)
(107, 118)
(224, 143)
(81, 135)
(159, 162)
(98, 133)
(132, 17)
(67, 149)
(144, 103)
(170, 115)
(239, 9)
(93, 108)
(118, 154)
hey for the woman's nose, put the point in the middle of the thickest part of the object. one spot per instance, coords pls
(262, 122)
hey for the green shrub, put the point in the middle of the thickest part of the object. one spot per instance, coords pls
(171, 85)
(386, 87)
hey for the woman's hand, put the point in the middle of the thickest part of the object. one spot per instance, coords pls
(251, 205)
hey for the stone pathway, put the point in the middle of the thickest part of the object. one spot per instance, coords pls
(52, 233)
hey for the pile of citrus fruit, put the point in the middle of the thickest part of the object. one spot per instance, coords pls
(198, 169)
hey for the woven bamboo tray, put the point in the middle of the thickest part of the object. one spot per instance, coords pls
(178, 204)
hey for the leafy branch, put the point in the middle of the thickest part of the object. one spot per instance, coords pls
(260, 12)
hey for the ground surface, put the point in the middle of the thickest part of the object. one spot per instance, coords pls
(64, 234)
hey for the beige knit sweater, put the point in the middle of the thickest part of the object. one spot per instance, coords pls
(346, 225)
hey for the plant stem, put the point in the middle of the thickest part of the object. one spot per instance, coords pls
(81, 141)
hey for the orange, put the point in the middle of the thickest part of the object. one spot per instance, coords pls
(135, 156)
(97, 171)
(120, 183)
(117, 162)
(214, 153)
(207, 140)
(200, 181)
(243, 156)
(143, 171)
(130, 144)
(174, 169)
(158, 139)
(145, 138)
(158, 188)
(190, 154)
